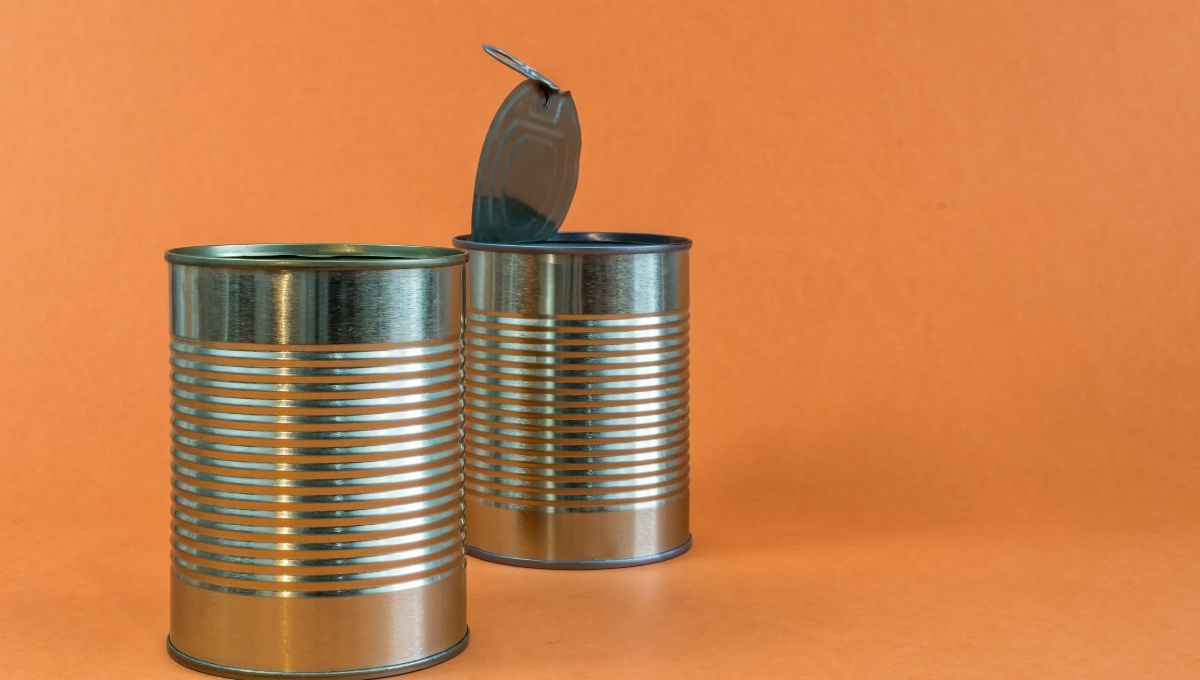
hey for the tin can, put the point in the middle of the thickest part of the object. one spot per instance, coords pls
(317, 517)
(577, 400)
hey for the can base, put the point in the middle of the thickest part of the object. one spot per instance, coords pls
(356, 674)
(582, 564)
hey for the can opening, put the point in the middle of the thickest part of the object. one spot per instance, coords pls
(596, 242)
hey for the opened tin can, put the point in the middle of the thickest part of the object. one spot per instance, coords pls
(317, 517)
(577, 400)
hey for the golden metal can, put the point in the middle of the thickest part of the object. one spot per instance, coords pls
(317, 517)
(577, 400)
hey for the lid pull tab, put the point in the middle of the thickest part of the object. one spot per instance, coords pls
(519, 66)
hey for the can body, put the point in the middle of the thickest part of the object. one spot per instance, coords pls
(577, 400)
(317, 517)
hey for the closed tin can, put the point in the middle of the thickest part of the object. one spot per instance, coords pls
(317, 517)
(577, 400)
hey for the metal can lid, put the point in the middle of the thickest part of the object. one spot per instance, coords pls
(529, 166)
(317, 256)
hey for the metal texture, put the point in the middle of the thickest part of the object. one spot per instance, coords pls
(365, 674)
(592, 242)
(519, 66)
(580, 565)
(317, 518)
(529, 165)
(577, 400)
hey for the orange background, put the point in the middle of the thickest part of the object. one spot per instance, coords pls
(946, 296)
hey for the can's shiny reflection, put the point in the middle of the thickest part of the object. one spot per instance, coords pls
(317, 517)
(577, 400)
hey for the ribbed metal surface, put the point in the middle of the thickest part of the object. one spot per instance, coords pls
(318, 470)
(317, 521)
(576, 413)
(577, 400)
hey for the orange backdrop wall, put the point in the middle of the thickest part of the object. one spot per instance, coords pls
(946, 282)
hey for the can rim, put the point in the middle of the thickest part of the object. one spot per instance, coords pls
(585, 243)
(317, 256)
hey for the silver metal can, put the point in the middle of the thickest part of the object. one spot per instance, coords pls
(317, 518)
(577, 400)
